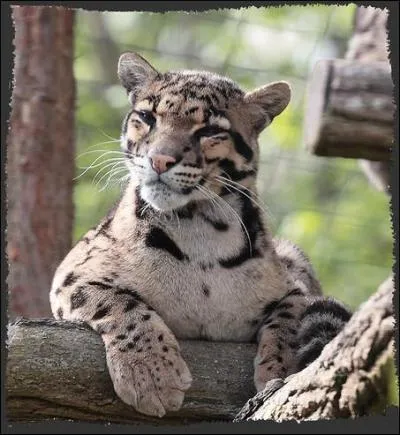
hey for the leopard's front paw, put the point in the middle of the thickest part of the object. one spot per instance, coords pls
(148, 374)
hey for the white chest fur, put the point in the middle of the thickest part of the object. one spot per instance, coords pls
(185, 282)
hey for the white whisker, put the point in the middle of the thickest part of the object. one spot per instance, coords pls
(214, 203)
(113, 164)
(104, 143)
(144, 209)
(114, 170)
(93, 164)
(229, 183)
(100, 151)
(112, 174)
(124, 179)
(178, 221)
(107, 135)
(225, 203)
(106, 164)
(117, 181)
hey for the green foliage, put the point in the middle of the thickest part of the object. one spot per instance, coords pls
(324, 205)
(393, 391)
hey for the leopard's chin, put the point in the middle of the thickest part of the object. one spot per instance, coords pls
(163, 198)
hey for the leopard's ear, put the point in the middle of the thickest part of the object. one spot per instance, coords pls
(134, 71)
(266, 102)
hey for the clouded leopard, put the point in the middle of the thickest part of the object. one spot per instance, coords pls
(187, 252)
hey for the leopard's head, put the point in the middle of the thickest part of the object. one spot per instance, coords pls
(190, 134)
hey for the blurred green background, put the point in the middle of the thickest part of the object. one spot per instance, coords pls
(325, 205)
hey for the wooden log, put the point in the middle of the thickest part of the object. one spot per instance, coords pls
(350, 377)
(57, 369)
(349, 111)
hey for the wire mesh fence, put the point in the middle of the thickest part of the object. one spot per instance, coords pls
(323, 204)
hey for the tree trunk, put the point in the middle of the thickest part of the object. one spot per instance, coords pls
(369, 43)
(41, 152)
(58, 370)
(350, 377)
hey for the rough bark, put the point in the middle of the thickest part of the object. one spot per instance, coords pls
(369, 43)
(40, 151)
(347, 380)
(58, 369)
(350, 110)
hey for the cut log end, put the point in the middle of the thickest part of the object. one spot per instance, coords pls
(318, 87)
(349, 111)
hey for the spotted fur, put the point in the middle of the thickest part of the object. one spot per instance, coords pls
(187, 253)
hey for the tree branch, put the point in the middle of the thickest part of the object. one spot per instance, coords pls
(58, 370)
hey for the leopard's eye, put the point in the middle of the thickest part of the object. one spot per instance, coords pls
(211, 131)
(147, 117)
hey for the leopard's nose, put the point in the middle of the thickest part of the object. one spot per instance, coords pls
(161, 162)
